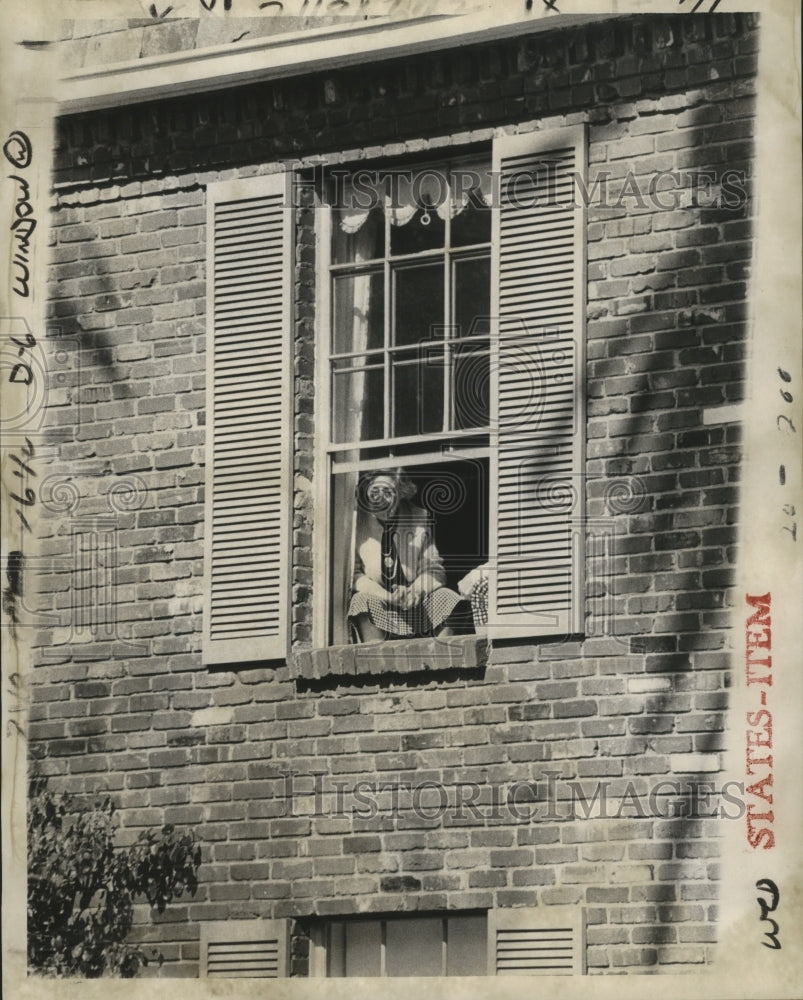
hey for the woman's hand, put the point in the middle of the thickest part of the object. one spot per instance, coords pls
(408, 596)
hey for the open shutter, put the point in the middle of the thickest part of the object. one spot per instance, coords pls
(536, 941)
(537, 372)
(244, 949)
(249, 426)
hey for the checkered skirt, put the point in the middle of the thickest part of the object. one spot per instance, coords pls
(420, 620)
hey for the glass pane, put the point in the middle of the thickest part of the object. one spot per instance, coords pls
(466, 953)
(418, 303)
(336, 950)
(357, 401)
(363, 948)
(471, 387)
(424, 231)
(358, 311)
(472, 296)
(414, 947)
(418, 392)
(472, 224)
(366, 241)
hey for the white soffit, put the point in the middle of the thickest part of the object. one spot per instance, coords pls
(285, 55)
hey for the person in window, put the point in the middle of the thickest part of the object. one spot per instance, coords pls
(399, 587)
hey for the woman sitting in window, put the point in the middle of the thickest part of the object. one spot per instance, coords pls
(399, 578)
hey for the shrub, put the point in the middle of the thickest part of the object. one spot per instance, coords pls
(81, 889)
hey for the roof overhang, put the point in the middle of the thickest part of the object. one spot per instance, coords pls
(284, 55)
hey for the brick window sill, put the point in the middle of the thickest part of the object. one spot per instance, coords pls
(399, 656)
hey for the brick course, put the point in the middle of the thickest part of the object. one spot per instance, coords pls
(179, 743)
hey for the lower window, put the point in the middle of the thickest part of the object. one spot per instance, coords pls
(452, 945)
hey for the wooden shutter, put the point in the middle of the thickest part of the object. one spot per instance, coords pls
(536, 941)
(537, 383)
(249, 426)
(244, 949)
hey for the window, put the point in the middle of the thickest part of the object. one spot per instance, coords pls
(450, 351)
(431, 945)
(408, 372)
(452, 297)
(520, 941)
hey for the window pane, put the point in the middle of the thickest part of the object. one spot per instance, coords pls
(358, 313)
(472, 295)
(414, 947)
(418, 392)
(336, 950)
(418, 303)
(466, 953)
(366, 242)
(418, 234)
(472, 376)
(363, 948)
(357, 401)
(472, 224)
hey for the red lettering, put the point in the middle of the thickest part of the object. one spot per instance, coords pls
(755, 837)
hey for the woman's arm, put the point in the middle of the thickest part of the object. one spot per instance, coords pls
(362, 583)
(431, 571)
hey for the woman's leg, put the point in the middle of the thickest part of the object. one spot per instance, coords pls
(366, 630)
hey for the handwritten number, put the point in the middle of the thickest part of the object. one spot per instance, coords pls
(784, 375)
(30, 341)
(772, 935)
(781, 417)
(767, 885)
(29, 500)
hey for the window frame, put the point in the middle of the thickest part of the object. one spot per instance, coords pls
(325, 447)
(500, 146)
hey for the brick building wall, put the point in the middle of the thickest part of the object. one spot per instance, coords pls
(124, 705)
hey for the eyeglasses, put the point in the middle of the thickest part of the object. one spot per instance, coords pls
(377, 489)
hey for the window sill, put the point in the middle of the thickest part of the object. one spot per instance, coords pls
(398, 656)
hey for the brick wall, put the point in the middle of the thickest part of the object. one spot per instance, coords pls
(125, 705)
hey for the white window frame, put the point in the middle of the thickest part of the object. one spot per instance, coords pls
(528, 142)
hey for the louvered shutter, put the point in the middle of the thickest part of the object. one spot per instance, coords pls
(536, 941)
(249, 426)
(244, 949)
(537, 382)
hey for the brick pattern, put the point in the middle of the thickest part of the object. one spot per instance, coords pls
(135, 714)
